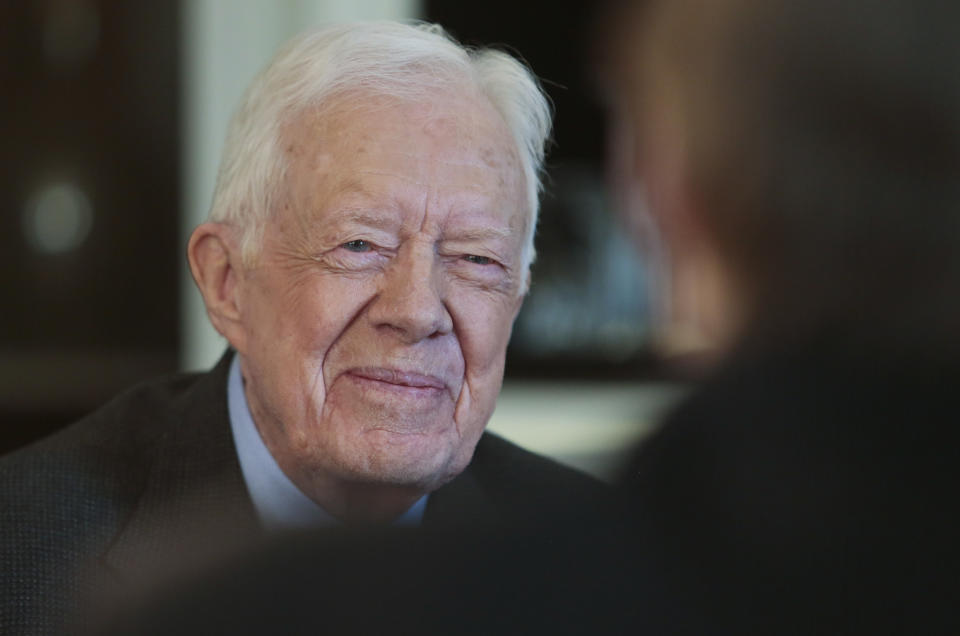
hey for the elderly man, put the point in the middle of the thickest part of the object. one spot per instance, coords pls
(367, 252)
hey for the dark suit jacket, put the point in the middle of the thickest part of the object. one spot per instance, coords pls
(807, 488)
(153, 478)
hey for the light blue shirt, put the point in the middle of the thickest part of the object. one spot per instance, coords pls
(279, 503)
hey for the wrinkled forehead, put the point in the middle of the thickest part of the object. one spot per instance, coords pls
(451, 143)
(450, 122)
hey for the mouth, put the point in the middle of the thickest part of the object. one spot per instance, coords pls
(395, 379)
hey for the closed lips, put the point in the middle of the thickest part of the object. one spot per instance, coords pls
(399, 378)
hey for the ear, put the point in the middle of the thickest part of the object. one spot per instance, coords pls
(215, 265)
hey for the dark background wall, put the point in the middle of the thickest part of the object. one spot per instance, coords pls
(588, 315)
(89, 198)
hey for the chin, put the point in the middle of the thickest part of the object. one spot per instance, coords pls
(422, 464)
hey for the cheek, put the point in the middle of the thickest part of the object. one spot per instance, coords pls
(293, 331)
(318, 312)
(484, 327)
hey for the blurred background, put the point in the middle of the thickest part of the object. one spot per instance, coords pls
(112, 119)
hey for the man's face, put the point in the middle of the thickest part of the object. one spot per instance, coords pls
(377, 317)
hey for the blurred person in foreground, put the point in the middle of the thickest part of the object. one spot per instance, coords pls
(368, 249)
(802, 157)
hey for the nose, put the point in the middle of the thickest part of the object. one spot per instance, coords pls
(411, 298)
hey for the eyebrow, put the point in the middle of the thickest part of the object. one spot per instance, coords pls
(363, 216)
(481, 234)
(366, 218)
(353, 203)
(359, 212)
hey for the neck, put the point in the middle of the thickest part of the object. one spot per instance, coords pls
(364, 504)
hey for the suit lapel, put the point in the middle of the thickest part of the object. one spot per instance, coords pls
(195, 504)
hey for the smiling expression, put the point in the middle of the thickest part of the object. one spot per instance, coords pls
(377, 315)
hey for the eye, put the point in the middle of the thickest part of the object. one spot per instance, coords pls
(478, 260)
(358, 245)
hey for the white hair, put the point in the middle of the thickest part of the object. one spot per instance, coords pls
(386, 58)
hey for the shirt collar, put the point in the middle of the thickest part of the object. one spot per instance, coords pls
(277, 500)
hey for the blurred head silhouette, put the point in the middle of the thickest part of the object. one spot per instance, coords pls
(801, 158)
